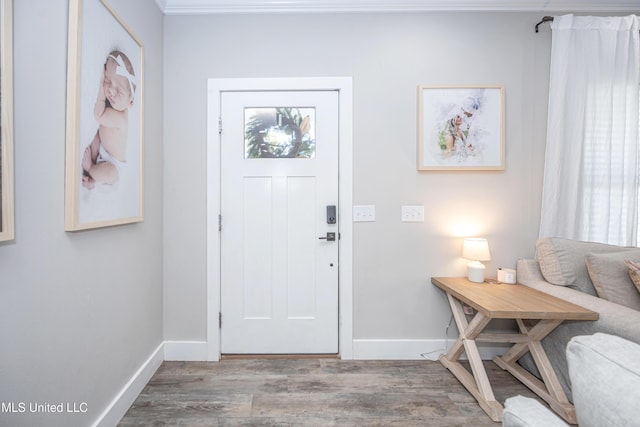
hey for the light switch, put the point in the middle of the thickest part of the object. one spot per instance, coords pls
(412, 213)
(364, 213)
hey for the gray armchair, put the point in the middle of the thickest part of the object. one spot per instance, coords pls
(605, 380)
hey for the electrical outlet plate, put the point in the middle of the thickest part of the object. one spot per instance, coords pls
(412, 213)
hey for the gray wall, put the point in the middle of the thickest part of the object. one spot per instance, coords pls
(79, 312)
(388, 56)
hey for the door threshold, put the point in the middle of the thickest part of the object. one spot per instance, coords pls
(279, 356)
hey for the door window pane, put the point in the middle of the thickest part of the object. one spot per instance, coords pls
(279, 132)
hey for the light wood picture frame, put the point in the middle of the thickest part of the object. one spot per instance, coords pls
(460, 127)
(7, 208)
(104, 182)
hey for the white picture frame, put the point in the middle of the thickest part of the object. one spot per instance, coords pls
(460, 127)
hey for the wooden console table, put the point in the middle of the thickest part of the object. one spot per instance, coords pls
(501, 301)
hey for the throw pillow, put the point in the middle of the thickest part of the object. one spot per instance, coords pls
(634, 272)
(562, 261)
(610, 277)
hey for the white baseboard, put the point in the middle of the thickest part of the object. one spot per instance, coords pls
(186, 351)
(123, 400)
(380, 349)
(363, 349)
(167, 350)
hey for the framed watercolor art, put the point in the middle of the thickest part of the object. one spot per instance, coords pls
(104, 182)
(461, 127)
(7, 231)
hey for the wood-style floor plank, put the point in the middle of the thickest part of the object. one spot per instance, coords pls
(313, 392)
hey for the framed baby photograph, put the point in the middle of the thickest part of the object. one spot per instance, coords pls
(7, 231)
(461, 127)
(104, 182)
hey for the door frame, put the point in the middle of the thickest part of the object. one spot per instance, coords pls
(343, 85)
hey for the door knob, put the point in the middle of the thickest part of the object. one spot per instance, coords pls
(330, 237)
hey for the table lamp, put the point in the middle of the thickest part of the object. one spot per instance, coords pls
(476, 250)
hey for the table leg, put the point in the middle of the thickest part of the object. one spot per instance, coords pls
(549, 388)
(478, 383)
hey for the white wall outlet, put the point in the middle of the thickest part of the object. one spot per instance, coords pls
(412, 213)
(364, 213)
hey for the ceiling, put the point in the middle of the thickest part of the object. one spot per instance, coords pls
(195, 7)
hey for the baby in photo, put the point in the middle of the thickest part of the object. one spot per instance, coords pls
(102, 159)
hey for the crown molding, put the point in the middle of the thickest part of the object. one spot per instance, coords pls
(197, 7)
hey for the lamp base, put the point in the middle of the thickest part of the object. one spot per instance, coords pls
(475, 272)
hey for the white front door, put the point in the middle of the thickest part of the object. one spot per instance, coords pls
(279, 173)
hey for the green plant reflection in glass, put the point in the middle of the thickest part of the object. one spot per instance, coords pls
(279, 132)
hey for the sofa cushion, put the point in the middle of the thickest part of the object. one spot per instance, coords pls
(605, 377)
(520, 411)
(610, 276)
(562, 261)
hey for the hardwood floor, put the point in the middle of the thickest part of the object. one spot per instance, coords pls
(312, 392)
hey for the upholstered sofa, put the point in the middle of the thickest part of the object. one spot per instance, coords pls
(592, 275)
(605, 374)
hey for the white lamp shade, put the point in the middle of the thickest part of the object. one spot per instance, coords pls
(476, 249)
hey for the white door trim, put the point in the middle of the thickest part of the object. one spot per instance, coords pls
(345, 96)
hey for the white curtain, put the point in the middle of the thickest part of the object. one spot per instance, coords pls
(591, 174)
